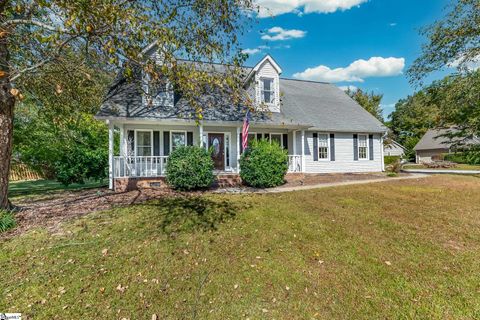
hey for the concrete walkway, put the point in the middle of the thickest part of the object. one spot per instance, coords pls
(317, 186)
(442, 171)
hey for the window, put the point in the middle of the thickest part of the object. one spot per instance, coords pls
(362, 146)
(144, 143)
(276, 137)
(178, 139)
(323, 146)
(268, 92)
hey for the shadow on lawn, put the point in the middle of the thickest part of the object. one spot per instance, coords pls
(192, 213)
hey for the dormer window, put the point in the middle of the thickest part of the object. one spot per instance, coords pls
(268, 90)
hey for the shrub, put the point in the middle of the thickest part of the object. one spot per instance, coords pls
(391, 159)
(394, 167)
(190, 168)
(7, 220)
(467, 157)
(264, 164)
(392, 174)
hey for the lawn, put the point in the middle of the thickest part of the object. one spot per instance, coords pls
(458, 167)
(400, 249)
(45, 187)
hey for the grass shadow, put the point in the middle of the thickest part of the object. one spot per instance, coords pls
(193, 213)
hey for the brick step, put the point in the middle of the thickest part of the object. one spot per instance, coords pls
(223, 181)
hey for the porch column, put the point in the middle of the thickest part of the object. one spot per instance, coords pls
(381, 152)
(294, 132)
(303, 150)
(200, 132)
(238, 149)
(122, 141)
(110, 154)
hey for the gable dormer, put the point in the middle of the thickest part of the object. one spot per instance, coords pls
(156, 92)
(267, 84)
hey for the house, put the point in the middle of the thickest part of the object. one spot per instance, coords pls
(393, 148)
(434, 144)
(322, 128)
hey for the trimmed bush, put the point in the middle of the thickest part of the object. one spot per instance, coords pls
(190, 168)
(7, 220)
(391, 159)
(264, 164)
(467, 157)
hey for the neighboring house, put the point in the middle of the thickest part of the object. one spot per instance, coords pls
(434, 144)
(322, 128)
(393, 148)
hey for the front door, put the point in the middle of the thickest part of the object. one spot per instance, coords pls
(216, 143)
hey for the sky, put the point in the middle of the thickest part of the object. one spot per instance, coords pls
(367, 44)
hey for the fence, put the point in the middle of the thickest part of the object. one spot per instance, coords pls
(20, 171)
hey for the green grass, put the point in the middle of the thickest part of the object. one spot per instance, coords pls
(458, 167)
(395, 250)
(45, 187)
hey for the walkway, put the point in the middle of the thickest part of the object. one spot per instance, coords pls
(441, 171)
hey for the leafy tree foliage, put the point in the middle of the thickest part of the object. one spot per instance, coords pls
(369, 101)
(453, 41)
(55, 131)
(38, 33)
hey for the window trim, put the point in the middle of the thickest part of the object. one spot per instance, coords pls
(136, 141)
(367, 158)
(328, 158)
(171, 140)
(272, 91)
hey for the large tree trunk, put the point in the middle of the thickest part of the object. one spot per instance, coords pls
(7, 103)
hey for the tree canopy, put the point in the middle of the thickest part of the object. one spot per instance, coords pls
(369, 101)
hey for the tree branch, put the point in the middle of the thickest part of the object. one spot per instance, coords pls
(34, 23)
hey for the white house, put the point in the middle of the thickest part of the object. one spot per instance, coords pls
(323, 129)
(393, 148)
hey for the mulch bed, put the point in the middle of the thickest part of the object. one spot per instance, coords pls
(50, 211)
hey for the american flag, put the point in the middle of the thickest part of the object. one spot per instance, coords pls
(246, 126)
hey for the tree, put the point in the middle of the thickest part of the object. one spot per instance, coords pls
(453, 41)
(369, 101)
(37, 33)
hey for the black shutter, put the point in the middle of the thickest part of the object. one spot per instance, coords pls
(370, 145)
(166, 143)
(355, 147)
(315, 146)
(156, 143)
(332, 147)
(259, 136)
(189, 138)
(241, 144)
(285, 141)
(131, 141)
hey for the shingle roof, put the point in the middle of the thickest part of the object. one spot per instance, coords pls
(320, 106)
(436, 139)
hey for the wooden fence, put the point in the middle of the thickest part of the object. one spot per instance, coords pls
(20, 172)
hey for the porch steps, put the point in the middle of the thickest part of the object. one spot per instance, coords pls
(227, 180)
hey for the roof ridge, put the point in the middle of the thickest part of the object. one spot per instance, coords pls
(301, 80)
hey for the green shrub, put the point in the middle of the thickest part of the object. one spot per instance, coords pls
(394, 167)
(392, 174)
(391, 159)
(264, 164)
(467, 157)
(190, 168)
(7, 220)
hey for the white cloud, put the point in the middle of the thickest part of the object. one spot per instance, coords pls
(471, 65)
(393, 24)
(346, 88)
(357, 71)
(280, 34)
(268, 8)
(251, 52)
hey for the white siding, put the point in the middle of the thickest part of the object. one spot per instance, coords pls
(343, 155)
(267, 70)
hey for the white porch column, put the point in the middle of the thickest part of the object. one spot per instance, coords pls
(381, 152)
(123, 144)
(294, 132)
(200, 132)
(238, 149)
(303, 150)
(110, 154)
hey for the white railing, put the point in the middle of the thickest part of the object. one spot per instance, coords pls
(124, 167)
(295, 163)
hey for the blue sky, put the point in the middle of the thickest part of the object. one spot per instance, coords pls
(372, 41)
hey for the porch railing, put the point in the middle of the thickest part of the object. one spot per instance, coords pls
(154, 166)
(294, 163)
(125, 167)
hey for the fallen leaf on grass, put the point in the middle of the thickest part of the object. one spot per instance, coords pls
(388, 263)
(121, 289)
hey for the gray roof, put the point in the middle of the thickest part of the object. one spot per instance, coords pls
(316, 105)
(436, 139)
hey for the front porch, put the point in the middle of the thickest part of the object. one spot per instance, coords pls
(144, 149)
